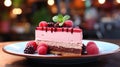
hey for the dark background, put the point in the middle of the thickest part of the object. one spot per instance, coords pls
(98, 20)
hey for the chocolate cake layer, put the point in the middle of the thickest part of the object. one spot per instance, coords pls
(63, 49)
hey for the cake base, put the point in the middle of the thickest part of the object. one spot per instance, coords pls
(64, 53)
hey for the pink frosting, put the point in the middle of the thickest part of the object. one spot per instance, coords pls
(59, 36)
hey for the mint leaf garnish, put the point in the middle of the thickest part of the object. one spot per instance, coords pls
(60, 18)
(55, 18)
(66, 17)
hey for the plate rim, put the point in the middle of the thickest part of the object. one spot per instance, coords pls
(58, 56)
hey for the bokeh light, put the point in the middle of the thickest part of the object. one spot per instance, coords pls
(17, 11)
(118, 1)
(50, 2)
(101, 1)
(7, 3)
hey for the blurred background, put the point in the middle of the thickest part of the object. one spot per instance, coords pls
(99, 19)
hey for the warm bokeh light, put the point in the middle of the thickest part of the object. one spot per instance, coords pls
(12, 15)
(7, 3)
(101, 1)
(50, 2)
(83, 0)
(54, 9)
(63, 10)
(118, 1)
(17, 11)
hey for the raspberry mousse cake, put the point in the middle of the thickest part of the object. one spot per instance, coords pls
(60, 36)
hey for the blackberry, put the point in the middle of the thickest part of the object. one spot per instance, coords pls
(50, 24)
(83, 49)
(29, 50)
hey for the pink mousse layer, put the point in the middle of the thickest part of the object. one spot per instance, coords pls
(59, 36)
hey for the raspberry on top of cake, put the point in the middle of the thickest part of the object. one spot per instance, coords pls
(60, 36)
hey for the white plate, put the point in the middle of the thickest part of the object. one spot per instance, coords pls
(104, 47)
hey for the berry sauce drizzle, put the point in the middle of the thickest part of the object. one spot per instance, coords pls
(72, 30)
(67, 30)
(51, 30)
(46, 29)
(55, 29)
(42, 28)
(62, 29)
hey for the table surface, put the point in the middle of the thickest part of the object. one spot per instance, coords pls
(7, 60)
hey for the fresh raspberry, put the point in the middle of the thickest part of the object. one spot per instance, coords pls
(32, 43)
(91, 42)
(92, 48)
(42, 50)
(42, 44)
(43, 24)
(68, 23)
(29, 50)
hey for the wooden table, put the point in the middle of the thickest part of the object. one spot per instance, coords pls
(7, 60)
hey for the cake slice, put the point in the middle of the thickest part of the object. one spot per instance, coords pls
(61, 40)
